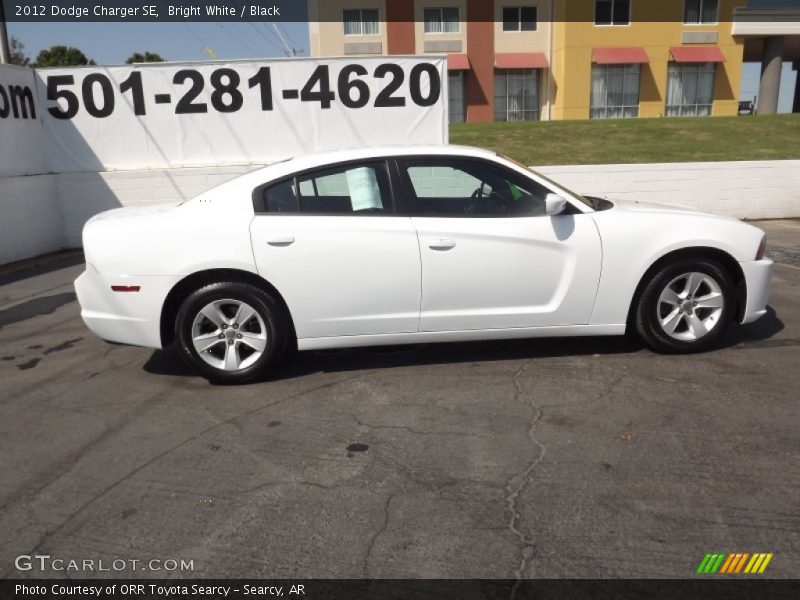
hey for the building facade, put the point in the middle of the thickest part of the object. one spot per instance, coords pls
(497, 50)
(637, 58)
(513, 60)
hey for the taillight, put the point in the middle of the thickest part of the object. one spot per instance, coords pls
(762, 248)
(125, 288)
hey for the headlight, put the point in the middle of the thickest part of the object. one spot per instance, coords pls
(762, 248)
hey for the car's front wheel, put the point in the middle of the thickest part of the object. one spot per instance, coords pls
(231, 331)
(685, 306)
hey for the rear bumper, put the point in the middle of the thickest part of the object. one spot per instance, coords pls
(125, 317)
(757, 277)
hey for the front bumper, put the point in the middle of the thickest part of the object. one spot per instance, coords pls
(757, 278)
(125, 317)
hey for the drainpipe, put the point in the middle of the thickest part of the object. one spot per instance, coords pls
(550, 71)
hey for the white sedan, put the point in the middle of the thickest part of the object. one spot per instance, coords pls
(409, 245)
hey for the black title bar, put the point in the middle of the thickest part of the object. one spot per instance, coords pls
(281, 11)
(154, 11)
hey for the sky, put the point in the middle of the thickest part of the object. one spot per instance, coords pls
(112, 43)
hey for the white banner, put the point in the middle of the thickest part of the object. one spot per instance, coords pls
(200, 114)
(21, 142)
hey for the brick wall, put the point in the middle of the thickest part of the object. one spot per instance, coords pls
(83, 195)
(30, 217)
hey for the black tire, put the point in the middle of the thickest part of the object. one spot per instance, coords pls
(648, 311)
(271, 313)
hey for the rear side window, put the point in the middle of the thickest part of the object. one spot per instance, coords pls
(281, 198)
(350, 189)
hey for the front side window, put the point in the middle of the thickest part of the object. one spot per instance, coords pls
(465, 188)
(516, 95)
(519, 18)
(697, 12)
(612, 12)
(690, 89)
(457, 104)
(351, 189)
(615, 91)
(360, 21)
(441, 20)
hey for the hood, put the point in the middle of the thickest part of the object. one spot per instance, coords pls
(637, 206)
(655, 207)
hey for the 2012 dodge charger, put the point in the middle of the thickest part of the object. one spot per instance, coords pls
(408, 245)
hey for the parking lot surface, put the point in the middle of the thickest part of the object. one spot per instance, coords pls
(532, 458)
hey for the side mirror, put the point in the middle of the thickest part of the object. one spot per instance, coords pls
(554, 204)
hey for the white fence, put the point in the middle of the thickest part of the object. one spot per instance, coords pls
(744, 189)
(43, 213)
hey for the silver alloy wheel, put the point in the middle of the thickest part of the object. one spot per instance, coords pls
(229, 334)
(690, 306)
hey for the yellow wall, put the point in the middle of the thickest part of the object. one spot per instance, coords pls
(574, 40)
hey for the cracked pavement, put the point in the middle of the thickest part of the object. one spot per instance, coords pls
(585, 457)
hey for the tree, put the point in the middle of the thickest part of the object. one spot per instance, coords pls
(62, 56)
(147, 57)
(17, 56)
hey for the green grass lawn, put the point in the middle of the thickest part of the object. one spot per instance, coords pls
(638, 140)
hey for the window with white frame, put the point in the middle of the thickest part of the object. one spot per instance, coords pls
(697, 12)
(441, 20)
(360, 21)
(612, 12)
(615, 91)
(690, 89)
(457, 95)
(519, 18)
(516, 95)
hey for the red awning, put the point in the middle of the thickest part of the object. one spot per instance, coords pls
(521, 60)
(697, 54)
(457, 62)
(620, 56)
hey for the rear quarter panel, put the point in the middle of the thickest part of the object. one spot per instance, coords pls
(200, 234)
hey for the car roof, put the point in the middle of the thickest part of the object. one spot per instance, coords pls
(322, 158)
(286, 167)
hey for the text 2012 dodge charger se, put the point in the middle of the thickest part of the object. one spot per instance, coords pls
(408, 245)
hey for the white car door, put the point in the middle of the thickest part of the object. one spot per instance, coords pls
(330, 243)
(491, 257)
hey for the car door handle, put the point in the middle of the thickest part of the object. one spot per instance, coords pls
(280, 240)
(441, 244)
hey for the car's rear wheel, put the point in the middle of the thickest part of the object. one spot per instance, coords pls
(231, 332)
(685, 306)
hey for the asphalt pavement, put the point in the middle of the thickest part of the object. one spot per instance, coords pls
(532, 458)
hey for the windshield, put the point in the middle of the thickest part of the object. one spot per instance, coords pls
(550, 182)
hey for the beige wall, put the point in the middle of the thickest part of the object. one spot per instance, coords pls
(326, 29)
(529, 41)
(419, 26)
(523, 41)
